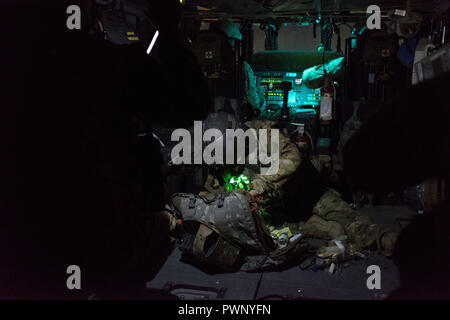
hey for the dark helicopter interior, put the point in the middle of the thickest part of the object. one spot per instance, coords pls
(280, 40)
(321, 71)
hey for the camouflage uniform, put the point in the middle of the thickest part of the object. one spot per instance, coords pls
(297, 188)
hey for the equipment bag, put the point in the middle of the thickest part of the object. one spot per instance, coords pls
(218, 230)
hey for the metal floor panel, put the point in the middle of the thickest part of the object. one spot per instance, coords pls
(238, 285)
(347, 283)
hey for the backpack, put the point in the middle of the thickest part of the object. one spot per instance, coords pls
(222, 231)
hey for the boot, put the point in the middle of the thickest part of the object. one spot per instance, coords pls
(388, 242)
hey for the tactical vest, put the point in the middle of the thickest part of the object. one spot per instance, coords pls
(218, 230)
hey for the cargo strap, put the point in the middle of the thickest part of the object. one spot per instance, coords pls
(220, 201)
(192, 200)
(200, 239)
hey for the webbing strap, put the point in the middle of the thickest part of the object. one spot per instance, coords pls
(200, 239)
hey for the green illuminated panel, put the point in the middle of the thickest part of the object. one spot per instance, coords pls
(270, 80)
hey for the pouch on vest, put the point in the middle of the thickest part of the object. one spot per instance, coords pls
(204, 243)
(217, 230)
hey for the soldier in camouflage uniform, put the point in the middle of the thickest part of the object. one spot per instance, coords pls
(296, 191)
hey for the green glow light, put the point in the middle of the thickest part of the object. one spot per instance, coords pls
(236, 182)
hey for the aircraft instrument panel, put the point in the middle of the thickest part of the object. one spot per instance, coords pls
(299, 97)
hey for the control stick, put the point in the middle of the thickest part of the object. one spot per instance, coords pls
(286, 86)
